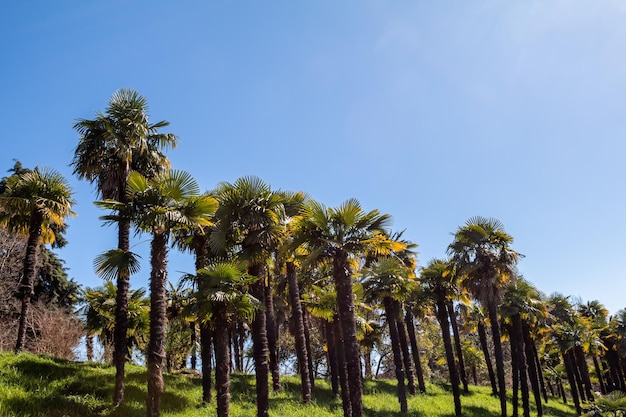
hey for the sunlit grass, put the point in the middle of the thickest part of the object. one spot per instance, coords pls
(37, 386)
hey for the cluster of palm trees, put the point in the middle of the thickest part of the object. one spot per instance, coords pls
(343, 270)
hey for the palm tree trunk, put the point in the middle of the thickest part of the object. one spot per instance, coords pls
(272, 336)
(457, 344)
(89, 347)
(521, 362)
(391, 312)
(301, 348)
(206, 336)
(497, 345)
(342, 275)
(410, 326)
(331, 355)
(194, 335)
(306, 316)
(259, 343)
(532, 368)
(514, 373)
(542, 383)
(343, 370)
(120, 349)
(158, 305)
(222, 362)
(596, 366)
(442, 316)
(577, 375)
(572, 380)
(584, 371)
(482, 337)
(404, 345)
(28, 277)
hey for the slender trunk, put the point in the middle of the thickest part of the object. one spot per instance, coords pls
(309, 351)
(515, 373)
(272, 336)
(120, 349)
(584, 371)
(194, 342)
(331, 353)
(222, 362)
(241, 333)
(301, 348)
(89, 347)
(410, 326)
(457, 344)
(28, 276)
(482, 336)
(404, 345)
(542, 383)
(342, 275)
(561, 390)
(572, 380)
(343, 370)
(596, 366)
(442, 316)
(391, 311)
(521, 362)
(158, 305)
(206, 335)
(577, 376)
(235, 342)
(259, 344)
(532, 368)
(497, 345)
(367, 359)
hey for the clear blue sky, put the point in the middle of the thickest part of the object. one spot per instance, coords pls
(432, 112)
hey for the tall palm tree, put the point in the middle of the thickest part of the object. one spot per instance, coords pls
(436, 285)
(117, 141)
(250, 218)
(223, 297)
(481, 252)
(35, 204)
(162, 205)
(390, 281)
(339, 233)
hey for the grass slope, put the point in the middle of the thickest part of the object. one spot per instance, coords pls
(37, 386)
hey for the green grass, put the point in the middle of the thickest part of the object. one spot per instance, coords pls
(38, 386)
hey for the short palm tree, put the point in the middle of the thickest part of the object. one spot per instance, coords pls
(162, 205)
(224, 297)
(99, 314)
(35, 204)
(110, 146)
(481, 253)
(339, 233)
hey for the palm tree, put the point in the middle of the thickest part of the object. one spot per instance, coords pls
(35, 204)
(389, 280)
(117, 141)
(197, 241)
(482, 255)
(251, 217)
(223, 297)
(99, 313)
(338, 234)
(162, 205)
(435, 284)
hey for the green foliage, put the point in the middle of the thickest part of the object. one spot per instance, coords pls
(42, 386)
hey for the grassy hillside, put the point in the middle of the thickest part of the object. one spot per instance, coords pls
(40, 386)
